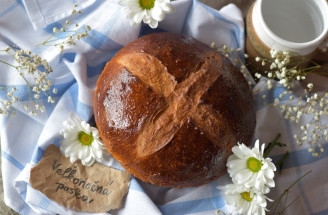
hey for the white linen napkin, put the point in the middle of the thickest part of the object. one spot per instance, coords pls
(45, 12)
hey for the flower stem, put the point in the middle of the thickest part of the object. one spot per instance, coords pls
(28, 84)
(291, 203)
(276, 203)
(47, 40)
(272, 144)
(298, 180)
(280, 162)
(4, 62)
(286, 197)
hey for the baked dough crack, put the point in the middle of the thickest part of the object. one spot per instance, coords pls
(182, 101)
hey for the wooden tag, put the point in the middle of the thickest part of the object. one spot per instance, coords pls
(96, 189)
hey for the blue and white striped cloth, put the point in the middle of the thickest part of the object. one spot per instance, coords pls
(24, 138)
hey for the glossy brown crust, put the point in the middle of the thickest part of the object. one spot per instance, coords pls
(169, 109)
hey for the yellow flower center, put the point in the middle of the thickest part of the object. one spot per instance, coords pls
(85, 139)
(254, 164)
(246, 196)
(147, 4)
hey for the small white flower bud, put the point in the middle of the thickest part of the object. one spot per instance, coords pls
(213, 44)
(61, 47)
(14, 99)
(42, 109)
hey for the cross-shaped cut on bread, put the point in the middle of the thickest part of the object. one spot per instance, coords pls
(169, 109)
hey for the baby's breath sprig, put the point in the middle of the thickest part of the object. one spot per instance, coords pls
(285, 68)
(315, 131)
(34, 70)
(289, 71)
(68, 34)
(6, 104)
(233, 55)
(29, 67)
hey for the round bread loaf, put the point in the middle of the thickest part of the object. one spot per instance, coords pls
(169, 109)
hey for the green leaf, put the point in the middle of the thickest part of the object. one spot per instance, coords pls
(272, 144)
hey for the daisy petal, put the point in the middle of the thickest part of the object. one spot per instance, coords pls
(153, 23)
(73, 148)
(167, 8)
(257, 172)
(244, 200)
(157, 14)
(150, 14)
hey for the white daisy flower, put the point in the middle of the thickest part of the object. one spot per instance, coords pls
(81, 141)
(248, 167)
(149, 11)
(243, 200)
